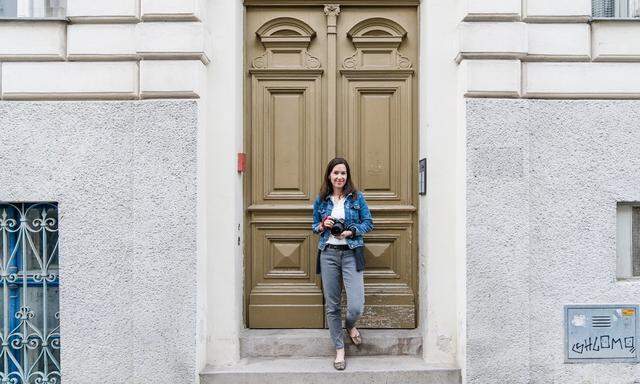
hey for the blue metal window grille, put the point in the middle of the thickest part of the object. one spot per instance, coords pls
(30, 314)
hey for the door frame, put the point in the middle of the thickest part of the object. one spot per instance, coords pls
(247, 126)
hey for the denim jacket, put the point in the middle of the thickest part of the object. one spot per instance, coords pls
(357, 219)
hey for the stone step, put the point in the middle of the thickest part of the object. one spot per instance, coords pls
(311, 370)
(316, 343)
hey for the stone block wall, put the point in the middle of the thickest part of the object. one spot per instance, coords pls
(546, 49)
(124, 49)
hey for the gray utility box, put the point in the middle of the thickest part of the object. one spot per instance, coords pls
(601, 333)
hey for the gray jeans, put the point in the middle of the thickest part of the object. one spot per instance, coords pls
(337, 265)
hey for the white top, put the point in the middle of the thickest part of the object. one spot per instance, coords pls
(337, 213)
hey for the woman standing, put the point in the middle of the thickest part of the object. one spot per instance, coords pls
(341, 216)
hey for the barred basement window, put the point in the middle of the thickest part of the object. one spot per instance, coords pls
(30, 314)
(620, 9)
(33, 9)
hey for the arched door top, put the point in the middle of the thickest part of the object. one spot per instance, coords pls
(377, 41)
(377, 29)
(285, 30)
(286, 41)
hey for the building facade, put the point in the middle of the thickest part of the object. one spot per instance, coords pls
(182, 142)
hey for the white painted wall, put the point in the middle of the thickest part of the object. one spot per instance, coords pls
(493, 39)
(569, 42)
(172, 78)
(44, 40)
(490, 78)
(490, 10)
(101, 41)
(546, 10)
(224, 139)
(187, 40)
(60, 80)
(112, 10)
(580, 80)
(172, 9)
(616, 40)
(438, 138)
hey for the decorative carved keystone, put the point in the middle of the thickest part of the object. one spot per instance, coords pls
(332, 9)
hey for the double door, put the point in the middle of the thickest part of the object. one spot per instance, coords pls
(325, 81)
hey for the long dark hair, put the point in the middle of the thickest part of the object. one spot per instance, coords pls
(327, 187)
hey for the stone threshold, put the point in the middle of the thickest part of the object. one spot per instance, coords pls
(310, 370)
(268, 343)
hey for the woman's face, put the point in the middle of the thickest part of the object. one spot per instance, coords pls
(338, 177)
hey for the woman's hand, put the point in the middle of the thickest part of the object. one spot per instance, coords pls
(345, 234)
(328, 223)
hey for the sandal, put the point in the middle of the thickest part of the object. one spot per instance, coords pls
(340, 365)
(356, 340)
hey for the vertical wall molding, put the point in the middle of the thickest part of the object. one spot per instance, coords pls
(331, 11)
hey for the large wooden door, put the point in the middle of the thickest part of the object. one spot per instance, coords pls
(326, 81)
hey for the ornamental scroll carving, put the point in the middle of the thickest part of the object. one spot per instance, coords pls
(332, 9)
(286, 41)
(377, 41)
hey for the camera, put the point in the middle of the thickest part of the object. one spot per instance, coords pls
(338, 226)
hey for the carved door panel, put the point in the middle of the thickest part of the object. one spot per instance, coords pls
(326, 81)
(377, 132)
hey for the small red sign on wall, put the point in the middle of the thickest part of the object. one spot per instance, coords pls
(242, 162)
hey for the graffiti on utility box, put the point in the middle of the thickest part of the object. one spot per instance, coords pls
(601, 333)
(605, 342)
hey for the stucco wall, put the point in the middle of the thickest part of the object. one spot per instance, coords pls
(543, 179)
(124, 174)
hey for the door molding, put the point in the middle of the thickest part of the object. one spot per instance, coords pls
(344, 79)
